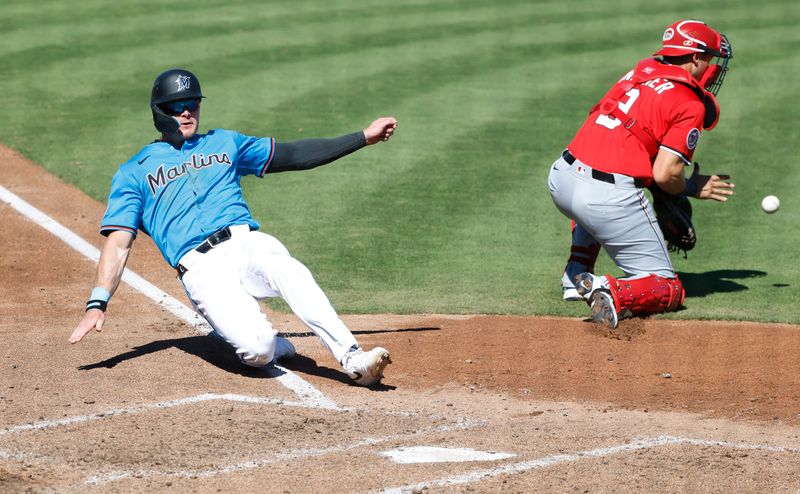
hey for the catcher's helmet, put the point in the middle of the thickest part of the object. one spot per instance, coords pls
(172, 85)
(691, 36)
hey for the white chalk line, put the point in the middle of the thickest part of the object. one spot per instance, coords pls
(548, 461)
(286, 456)
(290, 380)
(48, 424)
(9, 455)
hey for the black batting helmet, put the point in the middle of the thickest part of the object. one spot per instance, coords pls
(172, 85)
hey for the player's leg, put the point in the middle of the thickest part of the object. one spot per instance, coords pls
(634, 241)
(621, 219)
(562, 183)
(583, 255)
(212, 284)
(269, 271)
(637, 246)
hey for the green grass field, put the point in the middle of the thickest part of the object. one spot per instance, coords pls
(452, 215)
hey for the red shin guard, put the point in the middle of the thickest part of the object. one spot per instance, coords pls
(651, 295)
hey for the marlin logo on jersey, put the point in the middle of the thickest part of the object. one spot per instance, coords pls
(165, 175)
(183, 82)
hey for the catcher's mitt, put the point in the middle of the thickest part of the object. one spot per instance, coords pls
(674, 215)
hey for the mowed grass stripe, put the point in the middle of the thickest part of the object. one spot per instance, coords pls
(206, 13)
(241, 47)
(248, 26)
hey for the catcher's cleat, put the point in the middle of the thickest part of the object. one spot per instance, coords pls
(366, 368)
(569, 292)
(603, 310)
(587, 283)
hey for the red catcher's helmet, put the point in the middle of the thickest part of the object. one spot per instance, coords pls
(691, 36)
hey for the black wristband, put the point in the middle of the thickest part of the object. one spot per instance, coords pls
(691, 188)
(96, 304)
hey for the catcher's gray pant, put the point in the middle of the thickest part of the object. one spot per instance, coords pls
(617, 215)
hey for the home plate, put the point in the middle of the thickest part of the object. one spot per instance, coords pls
(430, 454)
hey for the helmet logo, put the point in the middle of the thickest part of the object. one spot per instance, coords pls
(183, 82)
(688, 42)
(668, 34)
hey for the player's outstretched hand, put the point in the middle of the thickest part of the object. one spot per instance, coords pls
(93, 319)
(717, 187)
(380, 130)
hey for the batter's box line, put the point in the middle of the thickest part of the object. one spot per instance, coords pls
(549, 461)
(47, 424)
(461, 423)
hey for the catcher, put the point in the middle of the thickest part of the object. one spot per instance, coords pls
(642, 133)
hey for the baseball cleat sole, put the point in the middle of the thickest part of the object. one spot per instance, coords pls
(603, 310)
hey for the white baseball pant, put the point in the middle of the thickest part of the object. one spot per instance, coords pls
(226, 283)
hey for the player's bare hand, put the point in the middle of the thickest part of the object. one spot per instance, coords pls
(380, 130)
(93, 319)
(716, 187)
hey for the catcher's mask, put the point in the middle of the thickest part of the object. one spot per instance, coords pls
(691, 36)
(172, 85)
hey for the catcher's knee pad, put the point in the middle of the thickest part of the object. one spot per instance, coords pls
(650, 295)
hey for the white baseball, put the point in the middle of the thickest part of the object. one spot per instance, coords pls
(770, 204)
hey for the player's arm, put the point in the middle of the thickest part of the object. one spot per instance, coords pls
(668, 174)
(311, 153)
(110, 267)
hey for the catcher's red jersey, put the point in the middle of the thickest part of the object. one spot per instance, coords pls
(668, 110)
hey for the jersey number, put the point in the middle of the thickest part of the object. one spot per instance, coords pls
(613, 123)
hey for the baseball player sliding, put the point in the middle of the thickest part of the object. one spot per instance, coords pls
(183, 191)
(643, 131)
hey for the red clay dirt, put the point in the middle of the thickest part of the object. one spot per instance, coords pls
(544, 389)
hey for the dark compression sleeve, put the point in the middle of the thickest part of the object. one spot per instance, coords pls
(311, 153)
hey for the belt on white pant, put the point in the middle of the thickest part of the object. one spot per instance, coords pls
(611, 178)
(209, 243)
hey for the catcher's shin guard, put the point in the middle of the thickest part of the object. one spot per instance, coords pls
(649, 295)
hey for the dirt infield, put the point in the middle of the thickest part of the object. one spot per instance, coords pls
(152, 405)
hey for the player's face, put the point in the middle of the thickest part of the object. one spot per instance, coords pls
(701, 64)
(190, 121)
(187, 112)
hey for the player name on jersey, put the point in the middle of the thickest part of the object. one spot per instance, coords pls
(164, 175)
